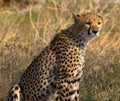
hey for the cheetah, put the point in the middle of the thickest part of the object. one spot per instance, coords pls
(56, 73)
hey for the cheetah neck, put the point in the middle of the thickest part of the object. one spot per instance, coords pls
(79, 34)
(79, 41)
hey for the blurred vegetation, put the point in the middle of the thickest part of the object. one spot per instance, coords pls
(17, 3)
(26, 31)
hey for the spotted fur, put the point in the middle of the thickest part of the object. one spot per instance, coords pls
(55, 74)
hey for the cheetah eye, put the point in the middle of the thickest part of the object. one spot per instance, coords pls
(78, 15)
(99, 23)
(87, 23)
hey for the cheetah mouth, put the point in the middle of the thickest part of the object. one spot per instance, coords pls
(96, 34)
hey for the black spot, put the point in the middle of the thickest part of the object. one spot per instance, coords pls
(43, 89)
(68, 65)
(67, 89)
(75, 98)
(71, 70)
(16, 88)
(38, 89)
(65, 70)
(33, 88)
(42, 95)
(40, 86)
(60, 98)
(47, 92)
(77, 57)
(44, 83)
(56, 98)
(69, 99)
(47, 87)
(15, 96)
(74, 60)
(35, 95)
(67, 94)
(66, 62)
(72, 92)
(60, 87)
(64, 91)
(62, 70)
(38, 81)
(83, 45)
(53, 85)
(65, 80)
(12, 98)
(77, 60)
(39, 97)
(78, 91)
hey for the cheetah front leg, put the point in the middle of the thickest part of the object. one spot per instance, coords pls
(68, 91)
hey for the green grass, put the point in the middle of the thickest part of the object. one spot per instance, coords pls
(24, 34)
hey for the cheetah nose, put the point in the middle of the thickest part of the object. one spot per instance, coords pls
(94, 31)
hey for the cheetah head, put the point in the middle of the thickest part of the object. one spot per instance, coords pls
(88, 25)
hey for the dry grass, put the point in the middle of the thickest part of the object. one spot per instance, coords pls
(23, 34)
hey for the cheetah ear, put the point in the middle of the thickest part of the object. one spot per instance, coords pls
(76, 17)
